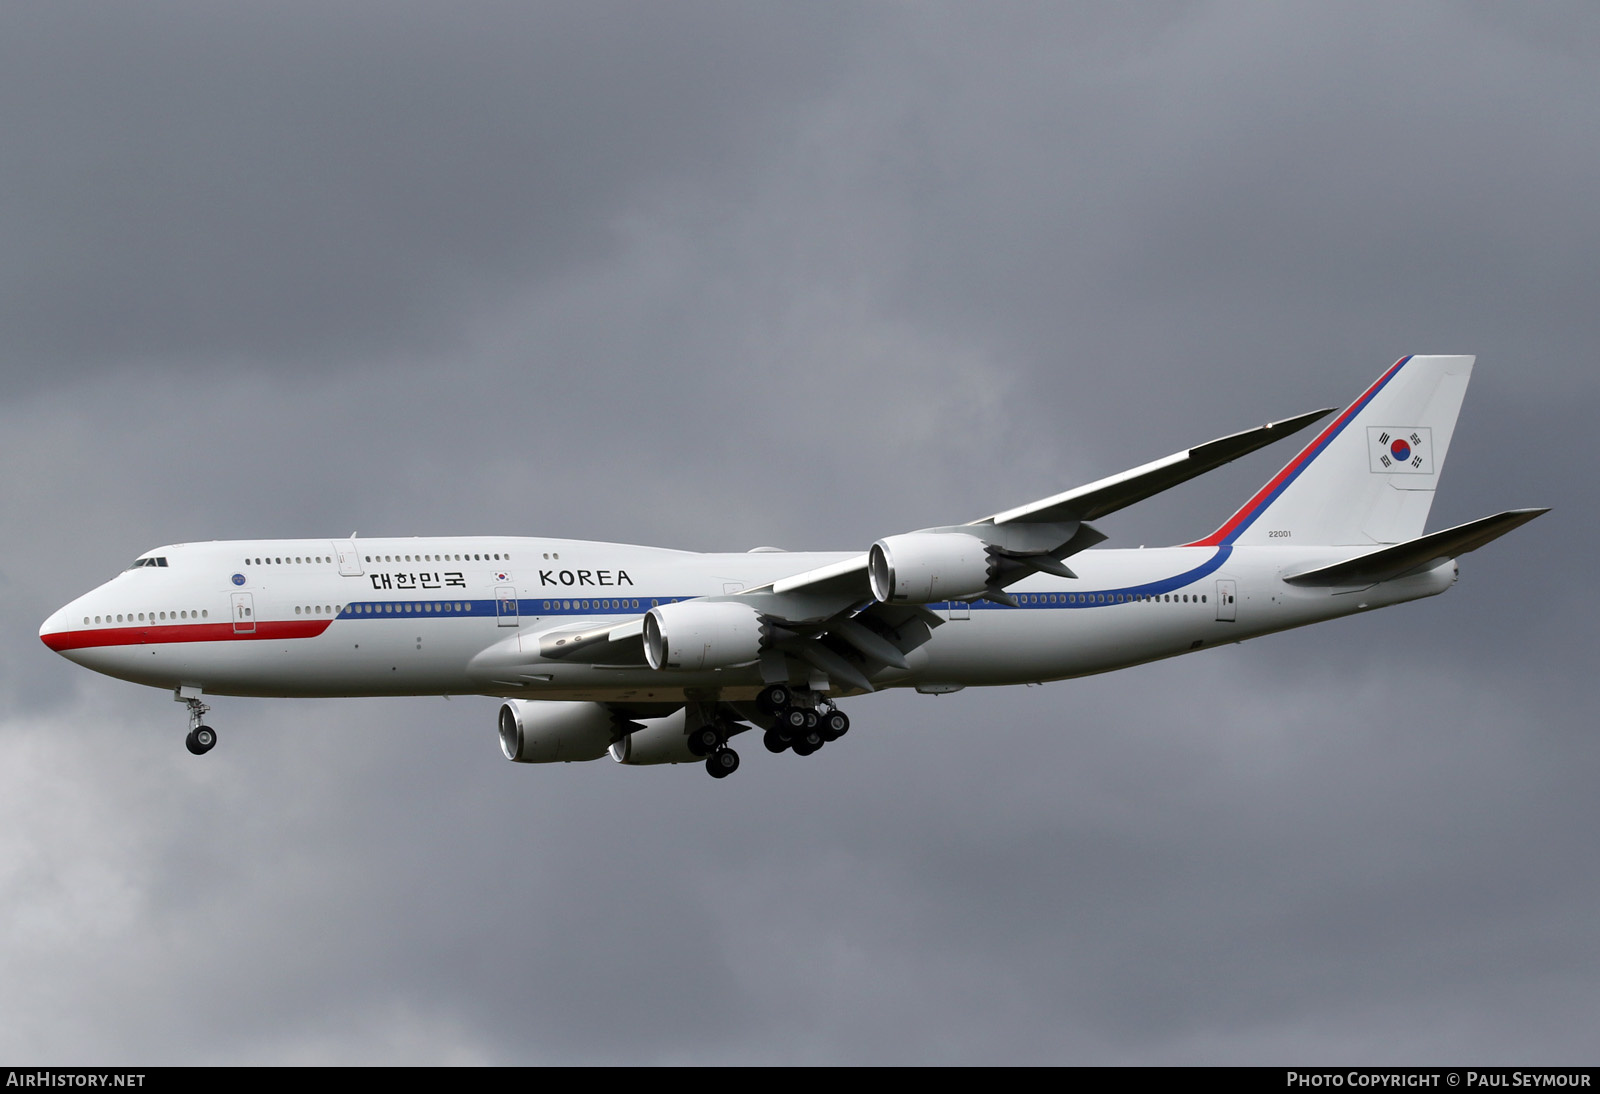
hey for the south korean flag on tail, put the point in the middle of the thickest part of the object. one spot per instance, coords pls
(1400, 450)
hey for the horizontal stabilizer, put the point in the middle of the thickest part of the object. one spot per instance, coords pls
(1417, 555)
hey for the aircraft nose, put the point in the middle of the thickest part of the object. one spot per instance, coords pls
(52, 631)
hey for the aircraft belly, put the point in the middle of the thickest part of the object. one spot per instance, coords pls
(1004, 646)
(553, 680)
(1010, 646)
(388, 660)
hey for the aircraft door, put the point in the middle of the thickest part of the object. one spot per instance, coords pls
(349, 559)
(1225, 596)
(244, 613)
(505, 606)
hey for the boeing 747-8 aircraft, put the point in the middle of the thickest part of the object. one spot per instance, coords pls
(661, 656)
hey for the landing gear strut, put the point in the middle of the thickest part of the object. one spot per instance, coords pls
(202, 738)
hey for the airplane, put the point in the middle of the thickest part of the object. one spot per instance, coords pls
(658, 656)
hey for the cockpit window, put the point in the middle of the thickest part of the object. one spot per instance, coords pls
(138, 562)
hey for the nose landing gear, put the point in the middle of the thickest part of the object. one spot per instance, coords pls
(202, 738)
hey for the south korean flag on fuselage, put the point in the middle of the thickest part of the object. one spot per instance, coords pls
(1400, 449)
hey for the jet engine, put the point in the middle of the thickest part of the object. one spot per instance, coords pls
(552, 732)
(924, 567)
(694, 634)
(661, 741)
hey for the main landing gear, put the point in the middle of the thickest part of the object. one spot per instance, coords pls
(722, 763)
(202, 738)
(800, 721)
(711, 741)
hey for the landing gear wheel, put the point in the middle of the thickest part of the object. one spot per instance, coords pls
(201, 739)
(775, 741)
(806, 741)
(813, 719)
(722, 763)
(792, 719)
(774, 698)
(834, 725)
(705, 740)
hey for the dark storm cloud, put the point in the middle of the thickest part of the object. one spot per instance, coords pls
(715, 276)
(1297, 188)
(294, 181)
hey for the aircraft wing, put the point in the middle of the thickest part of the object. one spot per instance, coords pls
(831, 618)
(1120, 491)
(516, 659)
(1066, 512)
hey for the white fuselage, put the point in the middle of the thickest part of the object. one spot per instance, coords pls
(447, 615)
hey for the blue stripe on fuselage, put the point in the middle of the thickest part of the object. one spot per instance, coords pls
(538, 606)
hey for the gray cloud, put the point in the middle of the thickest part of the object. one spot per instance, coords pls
(307, 182)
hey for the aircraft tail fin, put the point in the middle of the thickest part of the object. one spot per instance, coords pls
(1368, 477)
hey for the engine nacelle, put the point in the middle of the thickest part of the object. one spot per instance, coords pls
(925, 567)
(692, 635)
(554, 732)
(661, 741)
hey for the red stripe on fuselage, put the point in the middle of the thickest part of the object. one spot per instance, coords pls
(61, 641)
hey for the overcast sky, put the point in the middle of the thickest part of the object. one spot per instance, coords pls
(717, 275)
